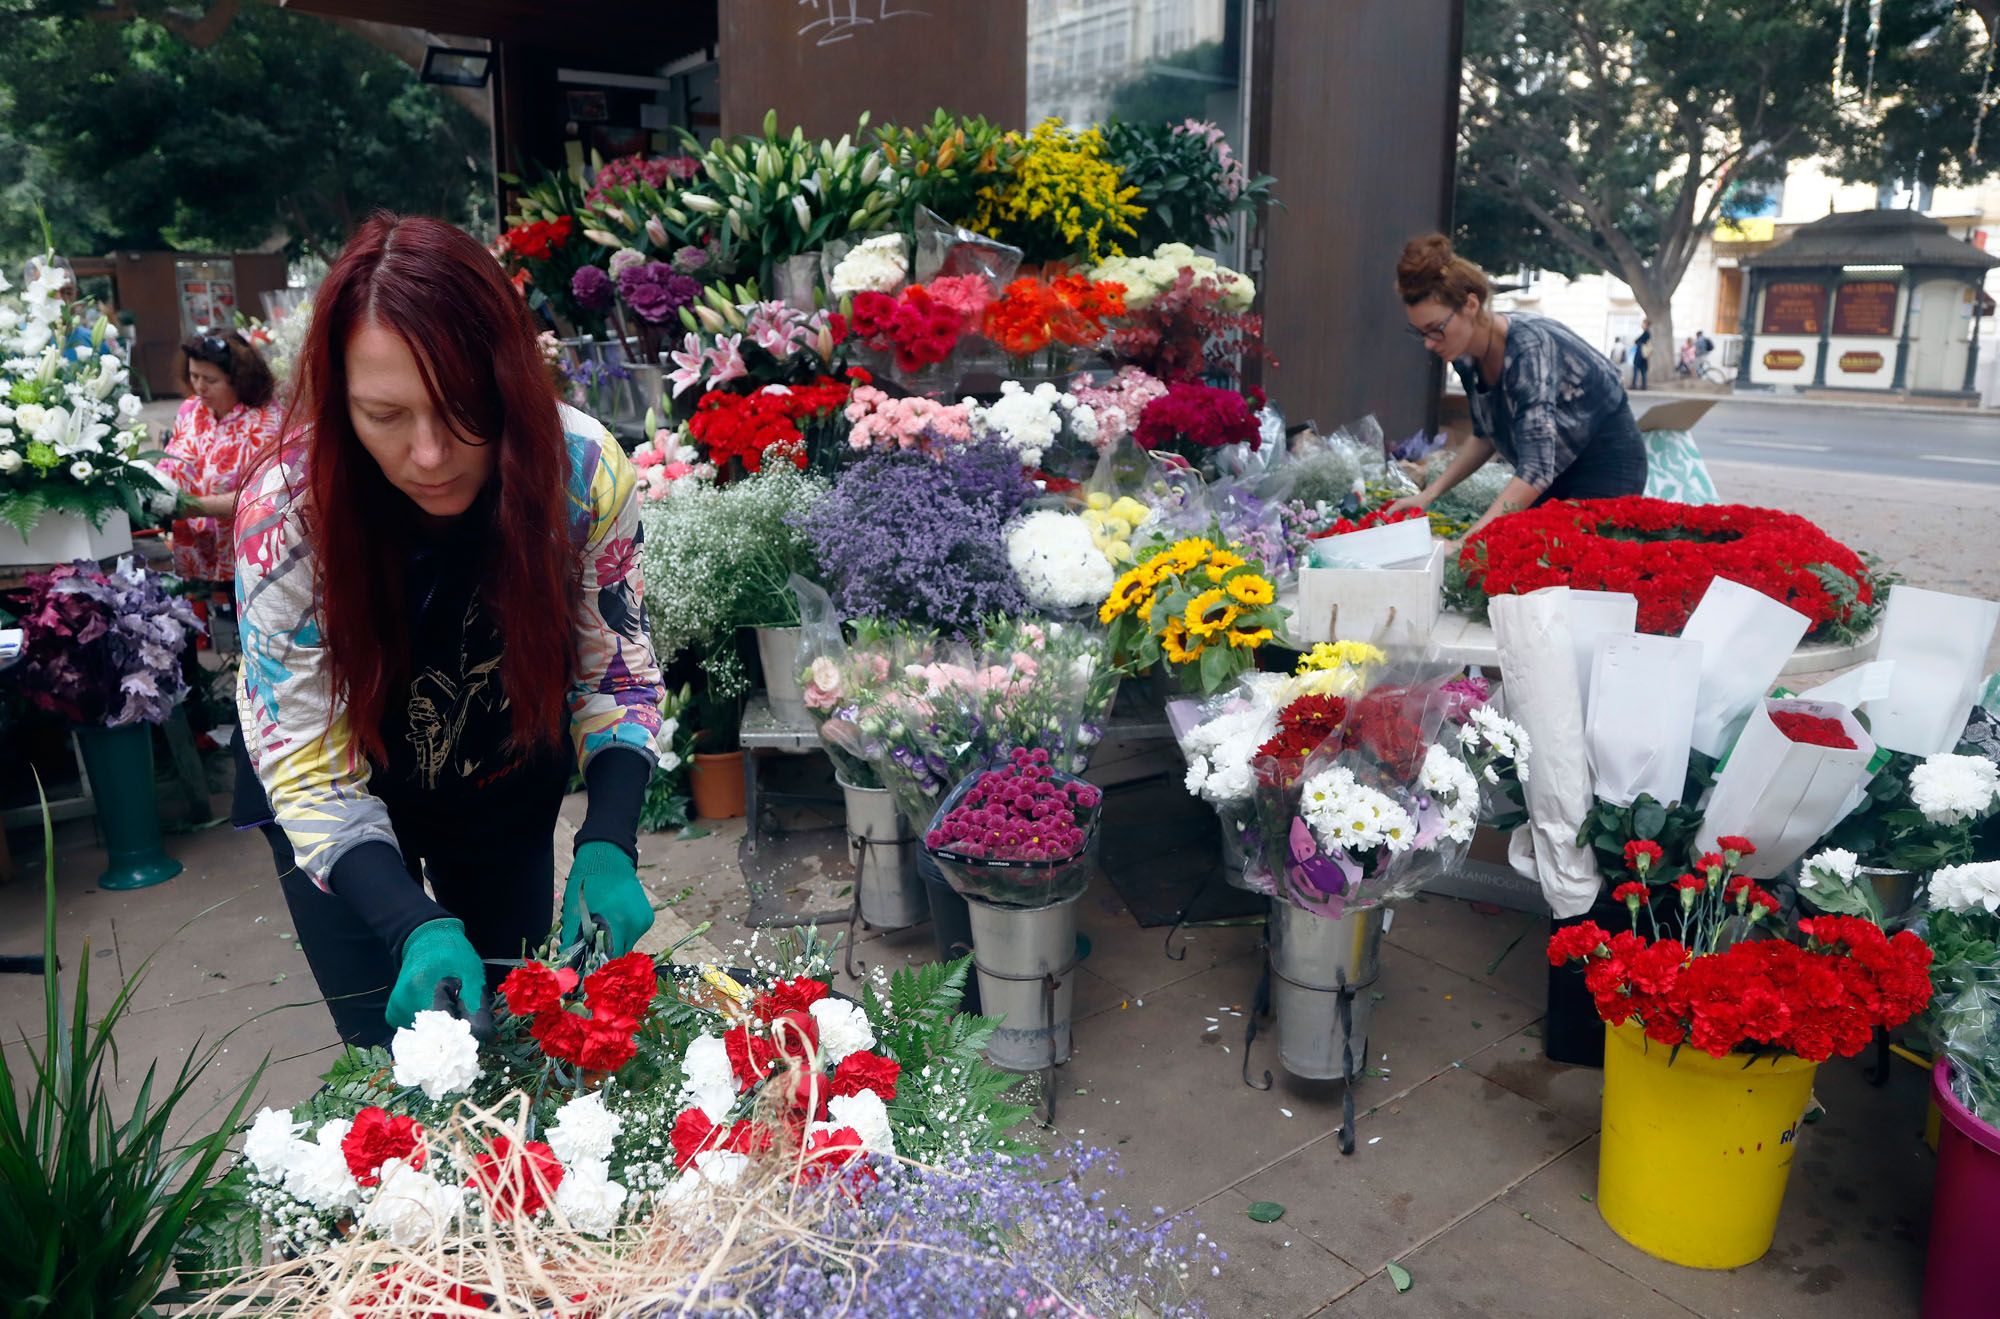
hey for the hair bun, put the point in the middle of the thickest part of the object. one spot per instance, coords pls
(1430, 268)
(1426, 258)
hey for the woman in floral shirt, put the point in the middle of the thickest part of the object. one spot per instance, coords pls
(231, 413)
(437, 577)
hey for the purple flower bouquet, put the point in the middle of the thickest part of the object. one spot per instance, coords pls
(102, 648)
(1017, 833)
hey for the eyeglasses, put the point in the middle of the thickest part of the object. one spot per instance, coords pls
(1433, 335)
(214, 348)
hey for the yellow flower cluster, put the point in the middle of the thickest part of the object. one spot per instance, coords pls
(1191, 596)
(1112, 523)
(1338, 668)
(1063, 198)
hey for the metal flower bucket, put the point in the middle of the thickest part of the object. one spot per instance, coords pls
(1322, 969)
(778, 652)
(884, 853)
(1026, 959)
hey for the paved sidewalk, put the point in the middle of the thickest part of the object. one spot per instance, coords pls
(1645, 398)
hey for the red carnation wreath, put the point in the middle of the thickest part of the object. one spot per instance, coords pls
(1666, 554)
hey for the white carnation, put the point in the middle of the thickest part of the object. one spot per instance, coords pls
(588, 1198)
(1950, 789)
(316, 1172)
(876, 266)
(1057, 561)
(1967, 888)
(82, 470)
(268, 1146)
(584, 1129)
(869, 1117)
(1829, 863)
(411, 1207)
(721, 1167)
(437, 1054)
(843, 1030)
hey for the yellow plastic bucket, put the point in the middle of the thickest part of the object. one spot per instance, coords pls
(1694, 1156)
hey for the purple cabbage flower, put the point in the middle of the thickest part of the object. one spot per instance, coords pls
(656, 292)
(690, 260)
(591, 288)
(102, 648)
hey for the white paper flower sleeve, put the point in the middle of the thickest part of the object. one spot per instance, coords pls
(1745, 637)
(1938, 644)
(1538, 664)
(1784, 795)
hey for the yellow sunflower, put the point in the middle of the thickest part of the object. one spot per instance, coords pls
(1209, 613)
(1220, 564)
(1173, 643)
(1249, 640)
(1184, 556)
(1251, 589)
(1131, 590)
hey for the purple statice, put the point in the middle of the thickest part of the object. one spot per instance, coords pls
(102, 648)
(980, 1236)
(591, 288)
(656, 291)
(916, 538)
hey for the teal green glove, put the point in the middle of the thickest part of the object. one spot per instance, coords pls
(434, 951)
(605, 883)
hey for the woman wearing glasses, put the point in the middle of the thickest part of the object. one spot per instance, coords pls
(1540, 396)
(438, 578)
(230, 414)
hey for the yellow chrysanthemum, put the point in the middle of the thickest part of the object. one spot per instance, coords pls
(1173, 644)
(1251, 589)
(1339, 655)
(1210, 613)
(1249, 640)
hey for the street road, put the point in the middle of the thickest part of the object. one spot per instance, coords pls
(1884, 441)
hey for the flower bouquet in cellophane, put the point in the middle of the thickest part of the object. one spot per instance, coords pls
(1198, 607)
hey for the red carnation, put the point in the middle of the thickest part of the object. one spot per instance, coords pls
(517, 1187)
(835, 1148)
(1742, 847)
(1576, 941)
(536, 988)
(750, 1056)
(1711, 864)
(796, 995)
(560, 1033)
(693, 1133)
(606, 1047)
(1630, 891)
(375, 1138)
(748, 1138)
(622, 989)
(1642, 855)
(867, 1071)
(1690, 883)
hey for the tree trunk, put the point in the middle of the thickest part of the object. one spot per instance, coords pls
(1662, 350)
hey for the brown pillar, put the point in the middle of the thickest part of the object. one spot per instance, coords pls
(1363, 108)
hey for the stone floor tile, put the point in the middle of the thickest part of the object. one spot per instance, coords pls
(1518, 1063)
(1490, 945)
(1498, 1265)
(1424, 1162)
(1850, 1237)
(1272, 1271)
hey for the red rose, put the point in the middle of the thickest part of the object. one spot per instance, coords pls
(1642, 855)
(535, 988)
(867, 1071)
(795, 1035)
(807, 1092)
(517, 1186)
(797, 995)
(750, 1056)
(375, 1138)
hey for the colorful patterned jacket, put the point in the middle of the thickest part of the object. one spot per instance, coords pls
(296, 730)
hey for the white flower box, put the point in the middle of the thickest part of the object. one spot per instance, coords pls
(1392, 544)
(64, 538)
(1397, 606)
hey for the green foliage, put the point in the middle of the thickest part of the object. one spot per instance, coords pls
(1181, 184)
(1175, 87)
(1927, 81)
(919, 1024)
(91, 1205)
(1607, 828)
(1887, 829)
(1861, 617)
(285, 124)
(942, 165)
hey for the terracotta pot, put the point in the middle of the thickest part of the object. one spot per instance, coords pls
(717, 783)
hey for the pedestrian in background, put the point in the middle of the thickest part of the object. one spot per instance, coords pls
(1642, 354)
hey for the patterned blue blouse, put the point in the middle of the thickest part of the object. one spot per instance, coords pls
(1558, 412)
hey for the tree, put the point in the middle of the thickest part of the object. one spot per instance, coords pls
(1919, 128)
(1618, 129)
(270, 126)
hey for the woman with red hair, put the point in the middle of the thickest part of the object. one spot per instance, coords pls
(437, 577)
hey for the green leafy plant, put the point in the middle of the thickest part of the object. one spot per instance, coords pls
(1190, 185)
(919, 1023)
(782, 196)
(93, 1207)
(666, 802)
(1607, 828)
(942, 165)
(1887, 829)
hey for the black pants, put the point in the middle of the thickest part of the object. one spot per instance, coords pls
(490, 861)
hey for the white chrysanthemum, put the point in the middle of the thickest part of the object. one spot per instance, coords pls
(588, 1198)
(1967, 888)
(316, 1172)
(411, 1207)
(843, 1030)
(1223, 747)
(436, 1054)
(875, 266)
(1445, 776)
(869, 1117)
(1057, 561)
(584, 1129)
(1950, 789)
(268, 1146)
(1829, 863)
